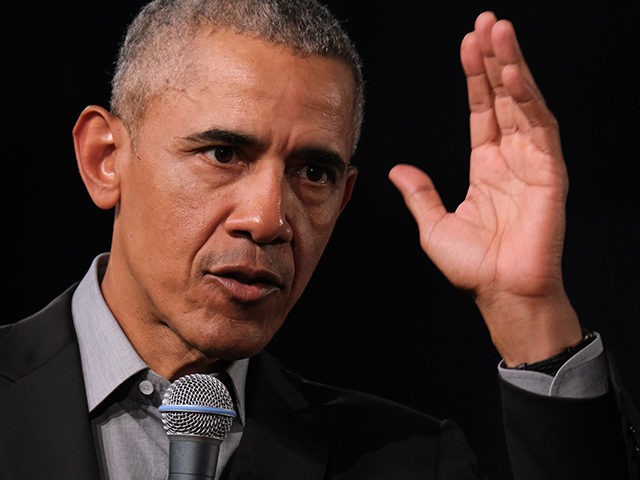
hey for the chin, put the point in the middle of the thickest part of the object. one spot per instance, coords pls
(238, 352)
(241, 344)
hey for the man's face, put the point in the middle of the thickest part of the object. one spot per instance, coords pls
(231, 195)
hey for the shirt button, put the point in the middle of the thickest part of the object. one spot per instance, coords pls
(146, 387)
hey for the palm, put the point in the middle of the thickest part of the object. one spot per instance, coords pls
(510, 225)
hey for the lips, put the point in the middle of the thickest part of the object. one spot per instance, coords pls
(246, 284)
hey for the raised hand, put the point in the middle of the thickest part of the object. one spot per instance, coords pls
(504, 242)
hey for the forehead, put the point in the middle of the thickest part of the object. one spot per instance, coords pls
(249, 83)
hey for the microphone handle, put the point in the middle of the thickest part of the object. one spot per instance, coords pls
(192, 457)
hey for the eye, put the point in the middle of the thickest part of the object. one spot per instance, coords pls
(317, 174)
(220, 153)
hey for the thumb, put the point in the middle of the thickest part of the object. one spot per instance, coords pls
(420, 196)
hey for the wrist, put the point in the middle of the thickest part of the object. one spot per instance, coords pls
(528, 330)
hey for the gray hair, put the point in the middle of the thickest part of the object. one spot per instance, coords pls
(149, 60)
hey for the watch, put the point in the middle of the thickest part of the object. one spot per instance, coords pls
(551, 365)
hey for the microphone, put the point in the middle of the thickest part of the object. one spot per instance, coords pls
(197, 413)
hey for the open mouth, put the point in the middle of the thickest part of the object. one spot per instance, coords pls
(247, 286)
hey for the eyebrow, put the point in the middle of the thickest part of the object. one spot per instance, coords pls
(225, 136)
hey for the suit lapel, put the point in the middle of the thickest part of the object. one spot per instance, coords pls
(282, 438)
(43, 409)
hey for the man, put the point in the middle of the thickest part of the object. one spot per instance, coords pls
(225, 157)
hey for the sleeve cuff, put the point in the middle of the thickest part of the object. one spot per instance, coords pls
(582, 376)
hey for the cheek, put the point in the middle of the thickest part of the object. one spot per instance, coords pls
(192, 218)
(312, 234)
(168, 214)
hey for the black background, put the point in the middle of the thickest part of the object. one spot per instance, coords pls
(377, 315)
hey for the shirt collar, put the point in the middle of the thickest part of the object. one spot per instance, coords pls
(107, 357)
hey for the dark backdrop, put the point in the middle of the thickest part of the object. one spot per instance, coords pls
(377, 316)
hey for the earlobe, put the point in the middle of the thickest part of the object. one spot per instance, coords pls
(98, 139)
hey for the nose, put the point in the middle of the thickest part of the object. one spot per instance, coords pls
(260, 207)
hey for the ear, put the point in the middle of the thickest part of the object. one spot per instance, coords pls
(352, 174)
(99, 138)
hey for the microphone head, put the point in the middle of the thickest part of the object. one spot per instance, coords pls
(198, 405)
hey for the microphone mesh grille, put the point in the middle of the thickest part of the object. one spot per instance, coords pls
(201, 390)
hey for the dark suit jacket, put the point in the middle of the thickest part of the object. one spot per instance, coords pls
(298, 429)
